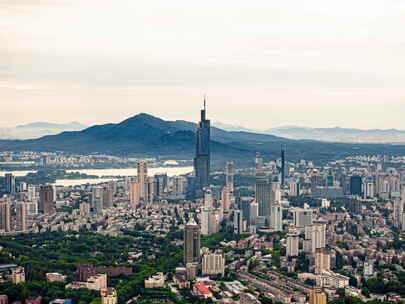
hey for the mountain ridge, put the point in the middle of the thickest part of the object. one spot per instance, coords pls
(146, 135)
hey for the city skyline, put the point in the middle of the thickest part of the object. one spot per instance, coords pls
(318, 64)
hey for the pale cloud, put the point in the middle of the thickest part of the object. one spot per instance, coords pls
(318, 63)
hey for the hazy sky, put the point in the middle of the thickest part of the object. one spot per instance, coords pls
(262, 63)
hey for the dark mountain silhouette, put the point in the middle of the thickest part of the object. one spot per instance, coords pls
(146, 135)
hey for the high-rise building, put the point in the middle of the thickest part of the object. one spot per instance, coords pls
(161, 184)
(245, 207)
(209, 221)
(9, 183)
(322, 260)
(97, 199)
(353, 206)
(368, 187)
(134, 195)
(276, 218)
(108, 195)
(302, 217)
(316, 233)
(208, 198)
(192, 242)
(254, 212)
(142, 181)
(283, 168)
(398, 211)
(5, 216)
(317, 296)
(264, 194)
(213, 264)
(355, 185)
(46, 199)
(3, 299)
(292, 243)
(230, 174)
(202, 160)
(237, 222)
(21, 216)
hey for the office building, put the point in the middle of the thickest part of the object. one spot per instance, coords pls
(356, 185)
(202, 160)
(283, 167)
(264, 194)
(192, 242)
(46, 200)
(9, 183)
(237, 222)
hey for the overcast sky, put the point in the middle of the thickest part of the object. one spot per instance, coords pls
(265, 63)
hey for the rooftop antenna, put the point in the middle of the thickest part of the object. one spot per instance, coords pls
(205, 103)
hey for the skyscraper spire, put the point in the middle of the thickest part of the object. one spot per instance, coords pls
(203, 155)
(205, 103)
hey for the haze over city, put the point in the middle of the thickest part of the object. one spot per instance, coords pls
(262, 63)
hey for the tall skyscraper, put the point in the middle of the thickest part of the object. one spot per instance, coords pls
(5, 216)
(9, 183)
(21, 216)
(46, 199)
(97, 199)
(237, 222)
(202, 158)
(192, 242)
(230, 174)
(355, 185)
(264, 194)
(134, 196)
(142, 180)
(283, 168)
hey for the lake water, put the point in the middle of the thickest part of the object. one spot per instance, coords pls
(111, 173)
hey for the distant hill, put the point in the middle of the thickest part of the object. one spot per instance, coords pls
(146, 135)
(340, 134)
(39, 129)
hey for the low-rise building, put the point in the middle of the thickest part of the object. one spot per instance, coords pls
(109, 296)
(156, 281)
(55, 277)
(200, 290)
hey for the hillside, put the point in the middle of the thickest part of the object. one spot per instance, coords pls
(146, 135)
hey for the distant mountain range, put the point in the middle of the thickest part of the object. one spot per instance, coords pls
(337, 134)
(39, 129)
(148, 136)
